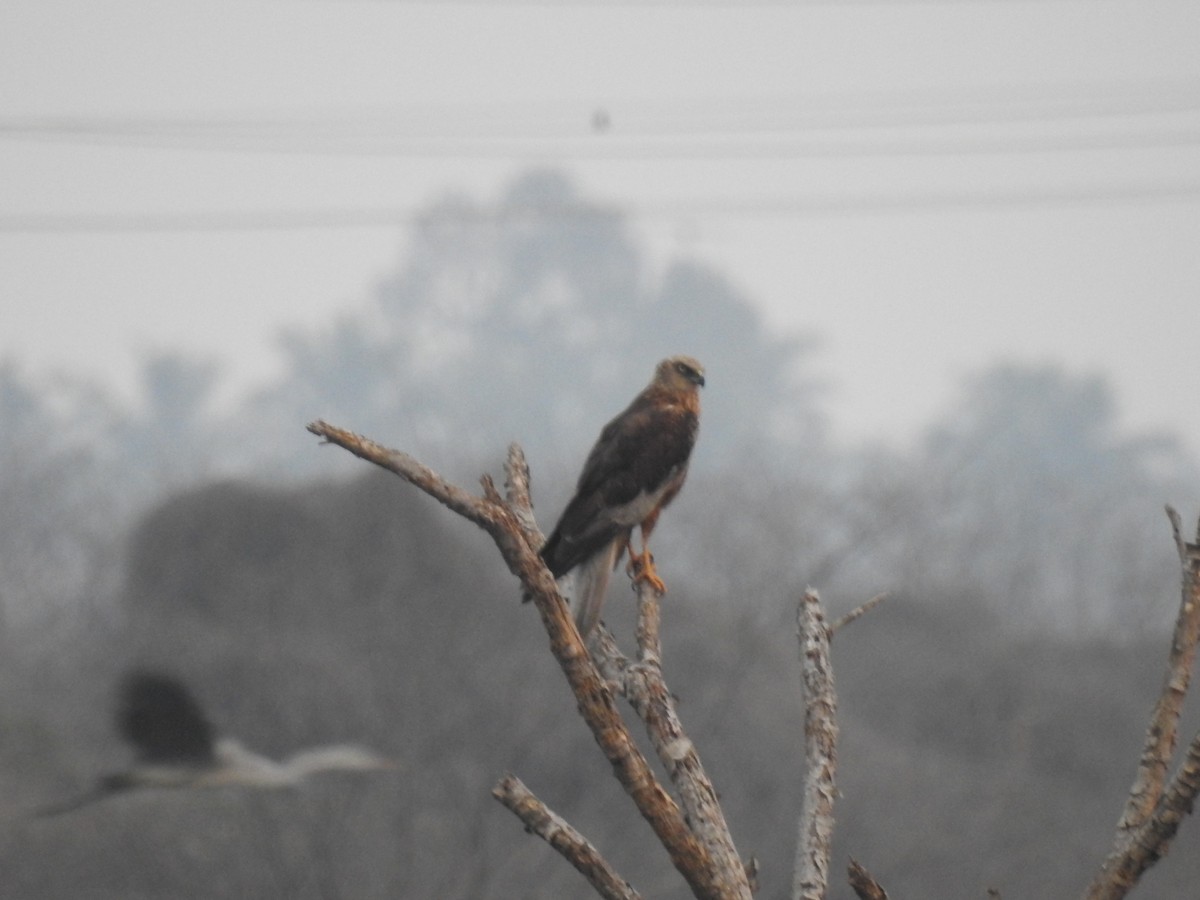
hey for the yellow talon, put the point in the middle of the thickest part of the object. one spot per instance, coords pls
(641, 568)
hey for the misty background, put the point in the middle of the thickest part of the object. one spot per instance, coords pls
(163, 505)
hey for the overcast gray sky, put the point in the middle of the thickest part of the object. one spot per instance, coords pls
(927, 187)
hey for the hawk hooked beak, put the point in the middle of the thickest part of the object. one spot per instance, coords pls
(692, 373)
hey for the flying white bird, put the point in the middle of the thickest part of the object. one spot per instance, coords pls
(177, 747)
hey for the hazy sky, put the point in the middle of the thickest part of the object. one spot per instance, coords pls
(927, 187)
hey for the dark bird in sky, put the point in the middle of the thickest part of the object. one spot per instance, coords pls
(635, 469)
(177, 747)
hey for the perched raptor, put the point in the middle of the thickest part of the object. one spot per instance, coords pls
(635, 469)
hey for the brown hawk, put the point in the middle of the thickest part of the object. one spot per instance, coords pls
(635, 469)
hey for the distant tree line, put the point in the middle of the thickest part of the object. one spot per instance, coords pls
(1025, 491)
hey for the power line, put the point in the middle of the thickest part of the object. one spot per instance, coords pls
(806, 205)
(1098, 115)
(695, 4)
(642, 118)
(701, 147)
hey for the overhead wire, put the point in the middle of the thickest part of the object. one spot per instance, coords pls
(1153, 115)
(692, 4)
(748, 146)
(718, 127)
(813, 204)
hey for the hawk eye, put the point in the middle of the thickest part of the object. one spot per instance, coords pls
(685, 370)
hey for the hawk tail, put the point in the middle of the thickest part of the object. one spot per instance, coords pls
(586, 586)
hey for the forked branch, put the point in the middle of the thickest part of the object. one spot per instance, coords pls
(642, 684)
(509, 520)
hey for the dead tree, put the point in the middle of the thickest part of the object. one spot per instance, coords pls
(691, 828)
(691, 825)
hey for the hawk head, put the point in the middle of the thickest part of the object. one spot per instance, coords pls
(679, 373)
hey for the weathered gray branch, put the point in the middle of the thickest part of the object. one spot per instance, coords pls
(864, 885)
(519, 496)
(643, 685)
(811, 874)
(1150, 843)
(857, 613)
(1153, 811)
(555, 831)
(509, 522)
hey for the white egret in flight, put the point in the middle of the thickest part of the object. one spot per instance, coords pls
(177, 747)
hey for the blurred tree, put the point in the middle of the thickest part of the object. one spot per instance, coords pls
(168, 442)
(341, 609)
(1044, 423)
(543, 297)
(1027, 490)
(75, 467)
(57, 495)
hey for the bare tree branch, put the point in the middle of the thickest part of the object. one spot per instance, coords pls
(752, 874)
(864, 885)
(1152, 814)
(555, 831)
(518, 493)
(696, 837)
(406, 467)
(1181, 547)
(1162, 734)
(708, 878)
(643, 685)
(857, 613)
(1151, 841)
(811, 875)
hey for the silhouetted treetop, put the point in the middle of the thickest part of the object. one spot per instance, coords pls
(1044, 422)
(546, 299)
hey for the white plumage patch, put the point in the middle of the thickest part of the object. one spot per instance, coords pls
(584, 587)
(636, 510)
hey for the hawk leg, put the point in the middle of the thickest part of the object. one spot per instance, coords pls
(641, 568)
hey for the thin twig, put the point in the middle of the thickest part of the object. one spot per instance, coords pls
(811, 876)
(863, 883)
(857, 613)
(556, 832)
(1177, 533)
(752, 874)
